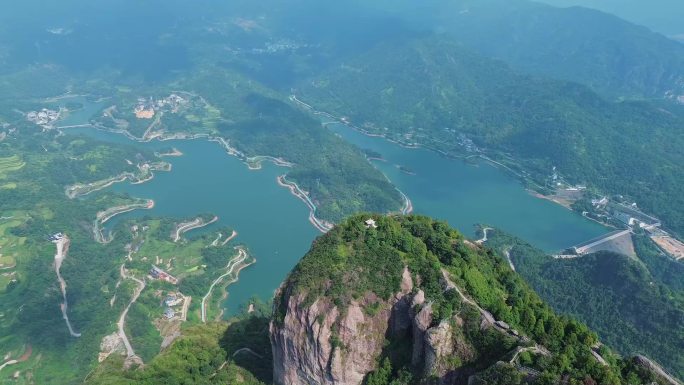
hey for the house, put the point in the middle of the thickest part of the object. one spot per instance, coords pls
(173, 300)
(625, 218)
(169, 313)
(370, 223)
(157, 273)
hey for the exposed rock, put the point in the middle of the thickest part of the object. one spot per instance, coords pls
(654, 368)
(400, 318)
(421, 323)
(318, 345)
(438, 345)
(111, 344)
(418, 299)
(406, 281)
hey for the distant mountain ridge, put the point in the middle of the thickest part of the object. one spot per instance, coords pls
(614, 57)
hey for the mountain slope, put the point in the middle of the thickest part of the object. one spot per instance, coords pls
(432, 90)
(405, 302)
(612, 56)
(631, 308)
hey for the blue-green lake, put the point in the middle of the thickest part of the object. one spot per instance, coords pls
(273, 224)
(466, 195)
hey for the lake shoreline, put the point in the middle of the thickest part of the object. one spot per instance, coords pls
(321, 225)
(253, 163)
(346, 123)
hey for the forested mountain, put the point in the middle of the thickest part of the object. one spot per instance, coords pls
(88, 90)
(434, 89)
(412, 301)
(663, 16)
(400, 300)
(631, 304)
(608, 54)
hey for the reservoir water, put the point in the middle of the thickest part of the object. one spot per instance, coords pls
(271, 222)
(274, 226)
(466, 195)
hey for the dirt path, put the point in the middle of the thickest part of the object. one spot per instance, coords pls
(242, 255)
(186, 306)
(121, 324)
(62, 245)
(536, 349)
(248, 350)
(8, 363)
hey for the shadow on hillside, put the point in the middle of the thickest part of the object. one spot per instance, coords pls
(247, 344)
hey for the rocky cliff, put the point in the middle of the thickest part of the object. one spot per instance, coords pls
(318, 343)
(412, 302)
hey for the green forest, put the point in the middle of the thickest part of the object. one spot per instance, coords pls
(352, 260)
(433, 89)
(635, 306)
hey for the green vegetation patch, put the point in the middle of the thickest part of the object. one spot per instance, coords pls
(354, 259)
(200, 356)
(10, 164)
(634, 306)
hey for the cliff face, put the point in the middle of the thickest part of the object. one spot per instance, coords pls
(318, 344)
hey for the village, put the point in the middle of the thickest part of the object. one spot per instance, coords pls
(44, 118)
(147, 108)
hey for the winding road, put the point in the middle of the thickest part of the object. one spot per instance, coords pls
(194, 224)
(121, 324)
(62, 245)
(242, 255)
(484, 237)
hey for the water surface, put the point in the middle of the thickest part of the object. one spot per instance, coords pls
(271, 222)
(274, 225)
(466, 195)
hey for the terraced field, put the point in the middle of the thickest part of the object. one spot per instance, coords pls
(10, 164)
(10, 246)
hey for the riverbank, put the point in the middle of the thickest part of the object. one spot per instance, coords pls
(319, 224)
(254, 162)
(565, 203)
(230, 238)
(407, 208)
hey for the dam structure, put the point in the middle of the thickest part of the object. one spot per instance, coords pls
(619, 241)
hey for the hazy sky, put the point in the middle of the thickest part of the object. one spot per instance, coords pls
(664, 16)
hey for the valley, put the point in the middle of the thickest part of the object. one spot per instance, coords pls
(244, 193)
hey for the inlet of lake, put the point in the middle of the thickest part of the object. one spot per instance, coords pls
(274, 225)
